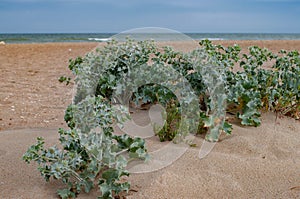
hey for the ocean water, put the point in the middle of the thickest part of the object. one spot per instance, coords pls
(102, 37)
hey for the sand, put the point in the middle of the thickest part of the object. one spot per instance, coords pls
(261, 162)
(30, 94)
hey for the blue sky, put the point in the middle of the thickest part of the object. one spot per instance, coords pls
(221, 16)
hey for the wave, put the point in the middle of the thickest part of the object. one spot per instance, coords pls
(99, 39)
(212, 39)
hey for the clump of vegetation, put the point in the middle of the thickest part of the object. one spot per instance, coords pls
(255, 87)
(202, 80)
(89, 151)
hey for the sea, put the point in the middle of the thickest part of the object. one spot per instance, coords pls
(103, 37)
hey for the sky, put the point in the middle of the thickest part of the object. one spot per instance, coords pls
(105, 16)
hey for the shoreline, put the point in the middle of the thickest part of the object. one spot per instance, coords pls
(91, 37)
(196, 40)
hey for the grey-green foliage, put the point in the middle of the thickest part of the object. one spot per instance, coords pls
(214, 77)
(255, 88)
(141, 71)
(287, 87)
(89, 151)
(99, 72)
(207, 78)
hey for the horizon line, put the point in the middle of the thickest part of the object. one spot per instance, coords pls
(150, 33)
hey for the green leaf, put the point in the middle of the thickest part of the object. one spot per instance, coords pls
(66, 194)
(227, 127)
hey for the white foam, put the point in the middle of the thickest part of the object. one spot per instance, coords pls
(99, 39)
(212, 39)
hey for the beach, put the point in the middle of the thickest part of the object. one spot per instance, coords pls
(262, 162)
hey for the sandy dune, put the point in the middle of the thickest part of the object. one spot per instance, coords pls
(262, 162)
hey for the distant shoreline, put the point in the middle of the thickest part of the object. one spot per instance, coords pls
(103, 37)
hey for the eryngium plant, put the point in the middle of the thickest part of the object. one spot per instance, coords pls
(89, 151)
